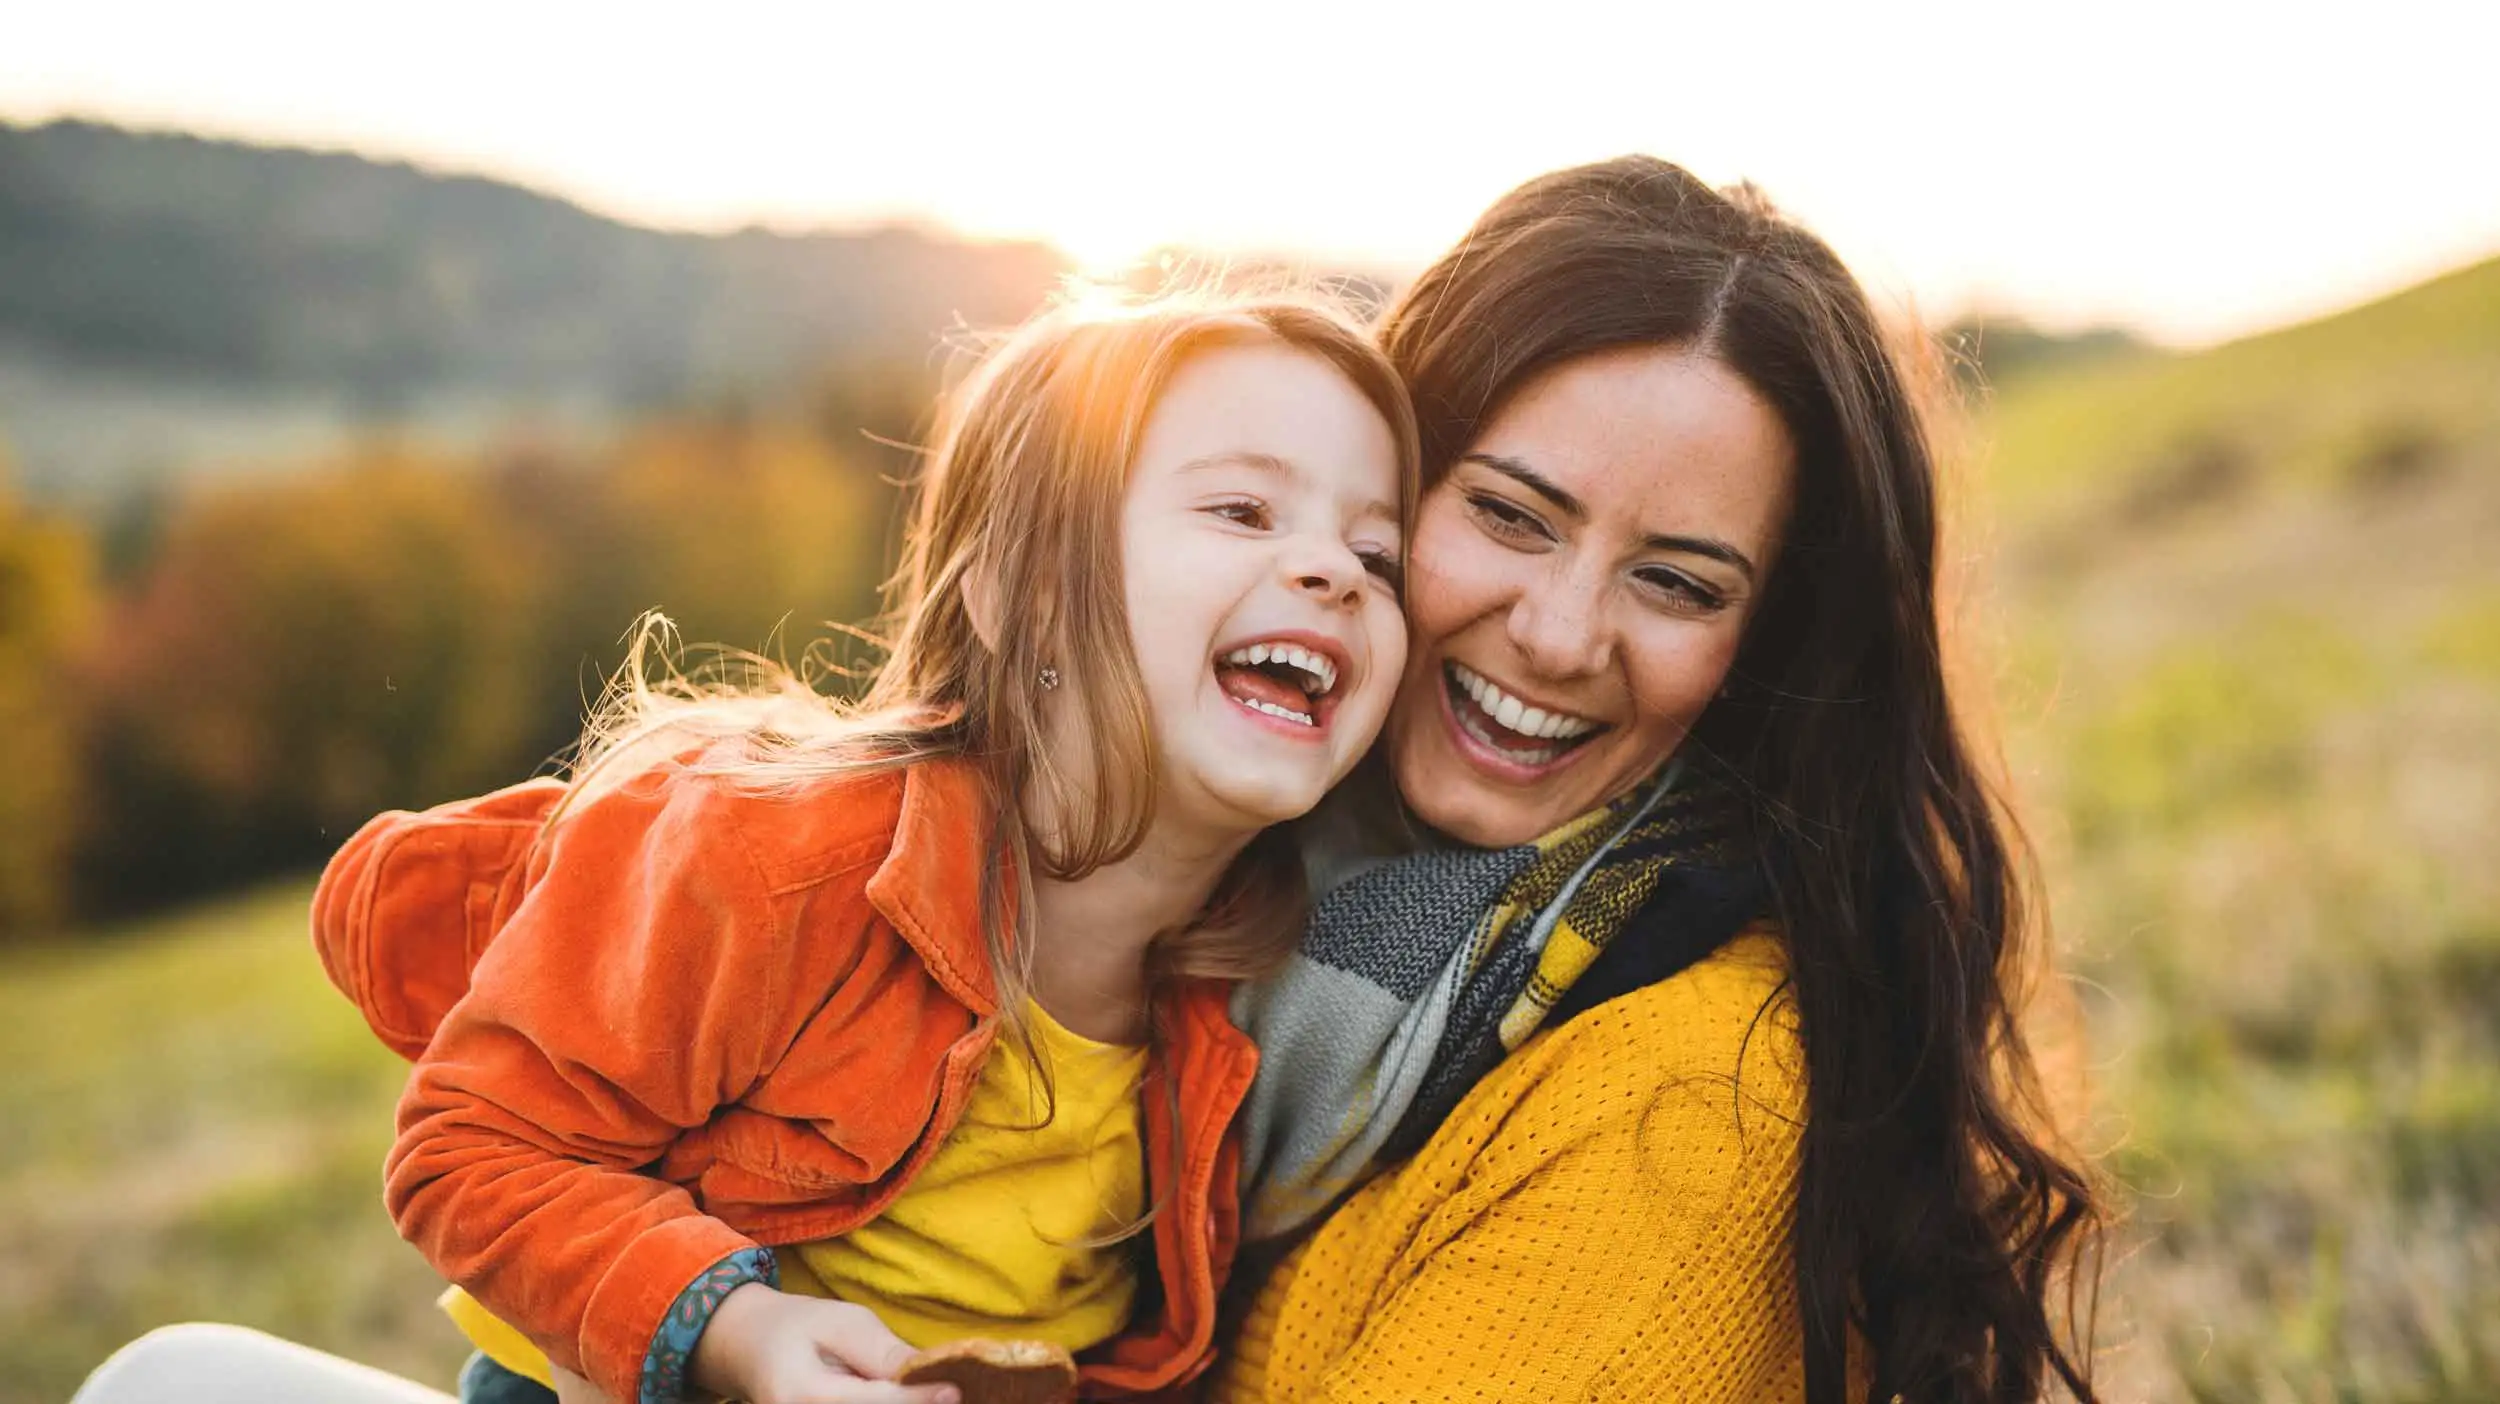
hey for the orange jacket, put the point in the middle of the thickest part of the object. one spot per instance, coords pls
(709, 1020)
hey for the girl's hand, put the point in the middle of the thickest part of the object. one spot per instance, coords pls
(769, 1347)
(574, 1389)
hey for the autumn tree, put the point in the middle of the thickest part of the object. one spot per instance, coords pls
(300, 655)
(45, 601)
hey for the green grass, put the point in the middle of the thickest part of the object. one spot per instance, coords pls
(2255, 608)
(197, 1124)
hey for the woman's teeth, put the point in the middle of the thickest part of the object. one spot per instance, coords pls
(1529, 723)
(1315, 666)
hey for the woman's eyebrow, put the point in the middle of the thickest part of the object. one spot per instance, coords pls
(1532, 480)
(1708, 546)
(1554, 492)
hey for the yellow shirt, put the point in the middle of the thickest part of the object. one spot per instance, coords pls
(1000, 1232)
(1605, 1217)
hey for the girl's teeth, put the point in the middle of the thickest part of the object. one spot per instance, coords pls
(1275, 711)
(1314, 665)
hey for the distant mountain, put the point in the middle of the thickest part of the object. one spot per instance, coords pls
(164, 274)
(1994, 350)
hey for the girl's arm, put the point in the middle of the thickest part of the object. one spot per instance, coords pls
(766, 1348)
(629, 996)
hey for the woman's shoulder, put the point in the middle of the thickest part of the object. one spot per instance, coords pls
(1712, 1043)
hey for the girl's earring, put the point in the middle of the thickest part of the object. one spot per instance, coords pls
(1050, 677)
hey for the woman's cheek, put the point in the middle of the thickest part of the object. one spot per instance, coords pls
(1687, 665)
(1449, 570)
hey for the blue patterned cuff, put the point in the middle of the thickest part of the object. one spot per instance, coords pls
(672, 1348)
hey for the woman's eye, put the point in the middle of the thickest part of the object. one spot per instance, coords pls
(1682, 591)
(1249, 514)
(1385, 567)
(1507, 519)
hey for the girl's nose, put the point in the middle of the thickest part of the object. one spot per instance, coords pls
(1327, 570)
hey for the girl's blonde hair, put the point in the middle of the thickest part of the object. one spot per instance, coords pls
(1018, 500)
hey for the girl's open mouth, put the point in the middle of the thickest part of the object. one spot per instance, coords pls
(1530, 738)
(1289, 679)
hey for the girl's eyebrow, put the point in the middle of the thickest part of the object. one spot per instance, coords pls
(1709, 547)
(1261, 462)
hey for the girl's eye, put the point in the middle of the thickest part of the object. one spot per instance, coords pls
(1384, 566)
(1681, 591)
(1242, 513)
(1507, 520)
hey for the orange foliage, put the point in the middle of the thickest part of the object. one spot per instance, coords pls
(45, 597)
(394, 629)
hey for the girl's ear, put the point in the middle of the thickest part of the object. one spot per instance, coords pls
(981, 604)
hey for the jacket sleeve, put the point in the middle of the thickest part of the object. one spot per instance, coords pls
(634, 990)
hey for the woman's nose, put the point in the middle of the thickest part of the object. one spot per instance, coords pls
(1558, 626)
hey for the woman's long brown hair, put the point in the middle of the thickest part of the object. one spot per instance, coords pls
(1936, 1213)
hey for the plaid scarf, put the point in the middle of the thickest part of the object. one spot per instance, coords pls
(1416, 977)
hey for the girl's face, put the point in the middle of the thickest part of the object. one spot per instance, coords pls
(1579, 585)
(1260, 533)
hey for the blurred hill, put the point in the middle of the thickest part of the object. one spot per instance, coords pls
(1988, 348)
(2252, 624)
(166, 298)
(2366, 399)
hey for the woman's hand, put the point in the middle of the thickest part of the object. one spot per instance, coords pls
(770, 1347)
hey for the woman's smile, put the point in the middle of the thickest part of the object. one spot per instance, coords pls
(1508, 737)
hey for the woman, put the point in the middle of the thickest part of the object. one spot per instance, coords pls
(1681, 527)
(1680, 521)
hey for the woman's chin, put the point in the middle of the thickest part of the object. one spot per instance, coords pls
(1452, 796)
(1453, 801)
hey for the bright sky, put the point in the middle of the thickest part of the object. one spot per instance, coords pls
(2193, 169)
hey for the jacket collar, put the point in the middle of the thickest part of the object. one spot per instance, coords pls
(929, 885)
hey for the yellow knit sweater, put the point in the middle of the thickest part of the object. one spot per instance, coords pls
(1604, 1217)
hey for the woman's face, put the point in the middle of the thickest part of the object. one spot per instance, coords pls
(1578, 585)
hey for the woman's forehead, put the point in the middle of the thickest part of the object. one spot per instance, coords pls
(1651, 440)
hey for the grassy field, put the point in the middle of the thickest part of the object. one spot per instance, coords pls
(196, 1123)
(2251, 603)
(2247, 611)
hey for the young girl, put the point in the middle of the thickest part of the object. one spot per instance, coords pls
(919, 1004)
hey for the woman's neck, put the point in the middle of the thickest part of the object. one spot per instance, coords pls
(1090, 936)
